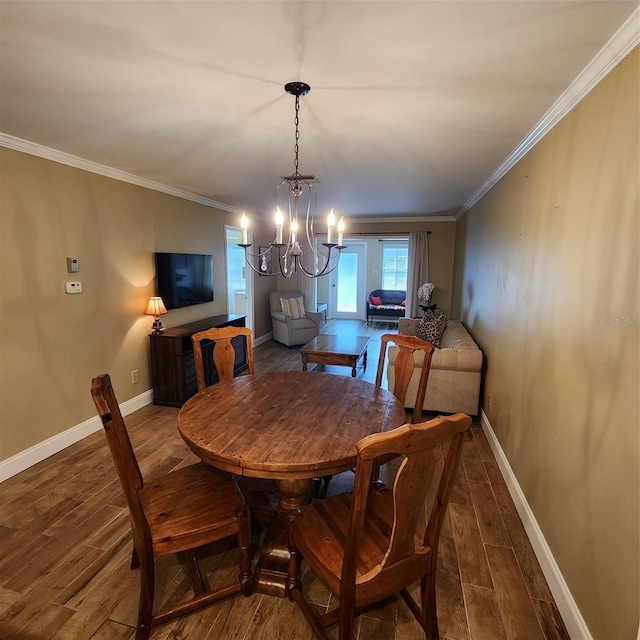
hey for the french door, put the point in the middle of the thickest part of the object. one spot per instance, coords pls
(347, 284)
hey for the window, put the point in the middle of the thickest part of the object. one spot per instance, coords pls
(395, 258)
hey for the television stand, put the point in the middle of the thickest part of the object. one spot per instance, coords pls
(173, 369)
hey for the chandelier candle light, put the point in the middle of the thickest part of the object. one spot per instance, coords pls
(301, 199)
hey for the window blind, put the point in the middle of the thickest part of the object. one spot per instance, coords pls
(395, 260)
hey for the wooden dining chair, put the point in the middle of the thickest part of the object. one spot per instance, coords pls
(407, 346)
(224, 354)
(373, 542)
(404, 369)
(174, 513)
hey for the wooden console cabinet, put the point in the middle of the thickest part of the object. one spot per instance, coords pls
(173, 369)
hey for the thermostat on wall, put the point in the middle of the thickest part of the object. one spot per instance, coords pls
(73, 287)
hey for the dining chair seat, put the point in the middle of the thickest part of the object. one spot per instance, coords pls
(190, 507)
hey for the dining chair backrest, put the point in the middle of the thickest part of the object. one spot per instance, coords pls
(417, 444)
(377, 541)
(404, 368)
(223, 352)
(122, 452)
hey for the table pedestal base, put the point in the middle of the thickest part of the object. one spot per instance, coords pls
(273, 561)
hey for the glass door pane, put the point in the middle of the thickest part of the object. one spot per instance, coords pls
(347, 284)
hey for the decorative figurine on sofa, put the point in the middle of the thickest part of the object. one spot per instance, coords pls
(424, 297)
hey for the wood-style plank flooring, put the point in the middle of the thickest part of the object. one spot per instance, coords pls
(65, 548)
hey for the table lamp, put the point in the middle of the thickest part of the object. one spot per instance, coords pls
(156, 308)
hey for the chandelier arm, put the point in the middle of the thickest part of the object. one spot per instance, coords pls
(311, 236)
(325, 269)
(309, 274)
(283, 269)
(250, 265)
(253, 255)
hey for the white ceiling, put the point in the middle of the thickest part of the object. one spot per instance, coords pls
(413, 106)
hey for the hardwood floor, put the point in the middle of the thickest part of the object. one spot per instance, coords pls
(65, 548)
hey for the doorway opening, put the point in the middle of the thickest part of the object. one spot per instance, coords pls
(239, 287)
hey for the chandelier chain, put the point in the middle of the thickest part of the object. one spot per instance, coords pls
(296, 173)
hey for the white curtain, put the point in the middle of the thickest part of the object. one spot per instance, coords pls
(418, 270)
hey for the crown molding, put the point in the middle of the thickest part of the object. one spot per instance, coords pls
(34, 149)
(18, 144)
(396, 219)
(621, 43)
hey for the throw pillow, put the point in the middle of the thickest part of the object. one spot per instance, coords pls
(293, 307)
(403, 303)
(432, 327)
(377, 300)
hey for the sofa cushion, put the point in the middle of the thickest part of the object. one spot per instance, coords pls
(376, 300)
(432, 327)
(293, 307)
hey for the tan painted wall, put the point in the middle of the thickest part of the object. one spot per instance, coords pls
(52, 343)
(546, 271)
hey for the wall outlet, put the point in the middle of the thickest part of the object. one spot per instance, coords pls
(135, 376)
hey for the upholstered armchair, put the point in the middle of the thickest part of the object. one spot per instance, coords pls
(292, 322)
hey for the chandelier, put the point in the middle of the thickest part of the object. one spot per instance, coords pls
(298, 197)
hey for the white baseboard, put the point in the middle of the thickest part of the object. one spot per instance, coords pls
(43, 450)
(573, 620)
(27, 458)
(262, 339)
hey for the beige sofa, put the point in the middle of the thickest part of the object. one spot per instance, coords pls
(454, 380)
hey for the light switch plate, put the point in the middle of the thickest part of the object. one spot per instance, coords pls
(73, 265)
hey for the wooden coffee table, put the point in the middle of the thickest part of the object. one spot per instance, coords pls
(341, 350)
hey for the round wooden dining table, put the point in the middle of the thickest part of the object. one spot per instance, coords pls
(290, 426)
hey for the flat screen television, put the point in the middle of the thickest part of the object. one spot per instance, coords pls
(184, 279)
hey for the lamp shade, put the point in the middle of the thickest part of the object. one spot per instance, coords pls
(156, 307)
